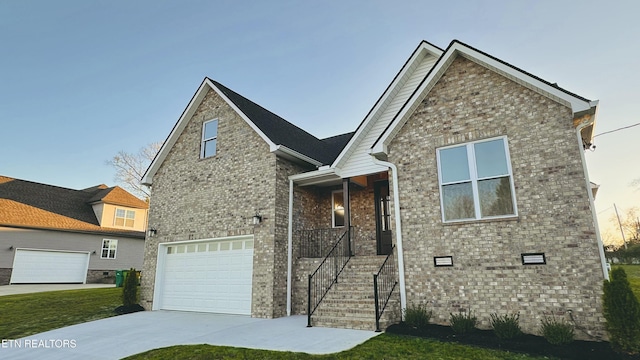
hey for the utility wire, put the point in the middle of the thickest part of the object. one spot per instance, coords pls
(622, 128)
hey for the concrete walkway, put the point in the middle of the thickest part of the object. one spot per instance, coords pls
(33, 288)
(121, 336)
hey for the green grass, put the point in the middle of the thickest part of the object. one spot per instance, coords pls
(385, 346)
(633, 275)
(27, 314)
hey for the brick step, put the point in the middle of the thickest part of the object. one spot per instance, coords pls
(339, 322)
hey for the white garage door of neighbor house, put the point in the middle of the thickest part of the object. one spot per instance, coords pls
(211, 276)
(49, 266)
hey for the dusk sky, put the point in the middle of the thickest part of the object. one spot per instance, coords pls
(82, 80)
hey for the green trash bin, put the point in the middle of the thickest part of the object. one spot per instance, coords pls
(120, 278)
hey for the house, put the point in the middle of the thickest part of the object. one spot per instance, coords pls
(464, 188)
(50, 234)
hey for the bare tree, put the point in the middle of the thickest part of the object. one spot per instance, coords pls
(130, 168)
(629, 224)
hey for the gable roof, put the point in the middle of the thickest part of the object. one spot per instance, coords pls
(578, 104)
(40, 206)
(284, 138)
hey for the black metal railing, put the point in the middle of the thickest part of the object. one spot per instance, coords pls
(383, 284)
(327, 272)
(316, 243)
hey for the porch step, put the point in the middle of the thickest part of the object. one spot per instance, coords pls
(350, 303)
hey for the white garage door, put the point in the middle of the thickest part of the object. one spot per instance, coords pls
(211, 276)
(49, 266)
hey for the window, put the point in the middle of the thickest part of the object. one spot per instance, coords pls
(109, 248)
(125, 218)
(209, 139)
(337, 208)
(476, 181)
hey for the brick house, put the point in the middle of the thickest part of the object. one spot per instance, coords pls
(464, 188)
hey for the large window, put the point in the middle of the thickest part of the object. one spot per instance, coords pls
(337, 208)
(209, 139)
(109, 248)
(476, 181)
(125, 218)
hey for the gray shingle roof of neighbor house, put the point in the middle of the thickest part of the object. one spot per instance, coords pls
(282, 132)
(26, 204)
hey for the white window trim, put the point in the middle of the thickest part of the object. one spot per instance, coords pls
(124, 222)
(473, 175)
(204, 140)
(115, 253)
(333, 207)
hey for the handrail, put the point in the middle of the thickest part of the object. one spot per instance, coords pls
(327, 273)
(315, 243)
(384, 288)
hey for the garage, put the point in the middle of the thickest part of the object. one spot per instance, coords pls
(49, 266)
(214, 275)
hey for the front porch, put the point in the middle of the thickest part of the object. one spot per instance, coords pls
(341, 288)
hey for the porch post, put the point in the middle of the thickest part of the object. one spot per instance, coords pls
(347, 210)
(289, 247)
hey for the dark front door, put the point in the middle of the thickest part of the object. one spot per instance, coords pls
(383, 217)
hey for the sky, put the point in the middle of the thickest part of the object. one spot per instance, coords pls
(83, 80)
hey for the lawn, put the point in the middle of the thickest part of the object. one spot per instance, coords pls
(28, 314)
(385, 346)
(633, 275)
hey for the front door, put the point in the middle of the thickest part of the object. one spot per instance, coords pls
(383, 217)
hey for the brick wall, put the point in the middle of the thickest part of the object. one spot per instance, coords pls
(471, 103)
(195, 198)
(5, 276)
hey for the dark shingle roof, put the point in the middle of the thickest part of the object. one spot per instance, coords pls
(35, 205)
(279, 130)
(337, 143)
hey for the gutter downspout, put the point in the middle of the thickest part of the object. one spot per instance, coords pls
(396, 208)
(591, 201)
(289, 247)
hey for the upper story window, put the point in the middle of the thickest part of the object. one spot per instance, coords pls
(125, 218)
(337, 209)
(476, 181)
(109, 248)
(209, 139)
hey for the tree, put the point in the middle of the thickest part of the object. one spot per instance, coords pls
(630, 223)
(622, 312)
(130, 168)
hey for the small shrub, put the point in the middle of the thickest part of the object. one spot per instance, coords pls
(622, 312)
(556, 332)
(130, 289)
(463, 322)
(507, 326)
(417, 316)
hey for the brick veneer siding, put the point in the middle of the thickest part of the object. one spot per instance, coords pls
(469, 103)
(5, 276)
(195, 198)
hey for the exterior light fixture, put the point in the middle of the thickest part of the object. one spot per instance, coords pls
(11, 247)
(152, 232)
(257, 219)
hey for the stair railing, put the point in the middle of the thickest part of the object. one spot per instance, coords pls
(383, 284)
(327, 272)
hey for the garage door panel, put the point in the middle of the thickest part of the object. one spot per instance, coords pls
(48, 266)
(214, 277)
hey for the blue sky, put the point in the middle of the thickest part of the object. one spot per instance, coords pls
(82, 80)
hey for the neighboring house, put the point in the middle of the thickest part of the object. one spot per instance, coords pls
(50, 234)
(467, 174)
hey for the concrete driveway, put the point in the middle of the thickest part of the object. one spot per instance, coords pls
(125, 335)
(33, 288)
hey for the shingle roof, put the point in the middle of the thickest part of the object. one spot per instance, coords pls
(280, 131)
(35, 205)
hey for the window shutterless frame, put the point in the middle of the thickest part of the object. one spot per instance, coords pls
(109, 249)
(473, 177)
(336, 221)
(208, 145)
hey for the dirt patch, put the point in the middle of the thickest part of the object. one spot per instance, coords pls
(529, 344)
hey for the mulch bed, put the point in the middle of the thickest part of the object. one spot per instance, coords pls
(121, 310)
(529, 344)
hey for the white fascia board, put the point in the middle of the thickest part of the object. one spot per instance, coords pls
(456, 49)
(147, 178)
(423, 50)
(286, 151)
(316, 177)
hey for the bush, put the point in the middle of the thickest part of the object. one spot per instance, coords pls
(556, 332)
(622, 312)
(506, 327)
(130, 289)
(417, 316)
(463, 323)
